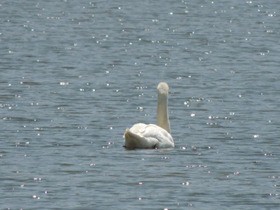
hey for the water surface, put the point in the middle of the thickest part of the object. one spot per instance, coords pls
(75, 74)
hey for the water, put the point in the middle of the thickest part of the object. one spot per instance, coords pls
(75, 74)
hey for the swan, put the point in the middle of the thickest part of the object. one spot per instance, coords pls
(151, 136)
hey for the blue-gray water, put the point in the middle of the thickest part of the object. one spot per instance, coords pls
(74, 74)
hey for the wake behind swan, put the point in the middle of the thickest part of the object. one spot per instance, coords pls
(151, 136)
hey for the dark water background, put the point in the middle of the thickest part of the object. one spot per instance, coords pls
(74, 74)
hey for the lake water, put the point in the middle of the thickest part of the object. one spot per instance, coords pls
(75, 74)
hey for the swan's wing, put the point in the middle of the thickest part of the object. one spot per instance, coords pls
(163, 137)
(138, 128)
(147, 136)
(135, 141)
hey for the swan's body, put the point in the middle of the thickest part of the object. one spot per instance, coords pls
(151, 136)
(147, 136)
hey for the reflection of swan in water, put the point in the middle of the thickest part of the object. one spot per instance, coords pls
(151, 136)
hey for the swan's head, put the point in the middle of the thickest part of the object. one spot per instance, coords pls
(163, 88)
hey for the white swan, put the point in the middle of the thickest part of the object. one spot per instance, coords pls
(151, 136)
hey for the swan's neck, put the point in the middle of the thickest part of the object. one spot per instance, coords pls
(162, 113)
